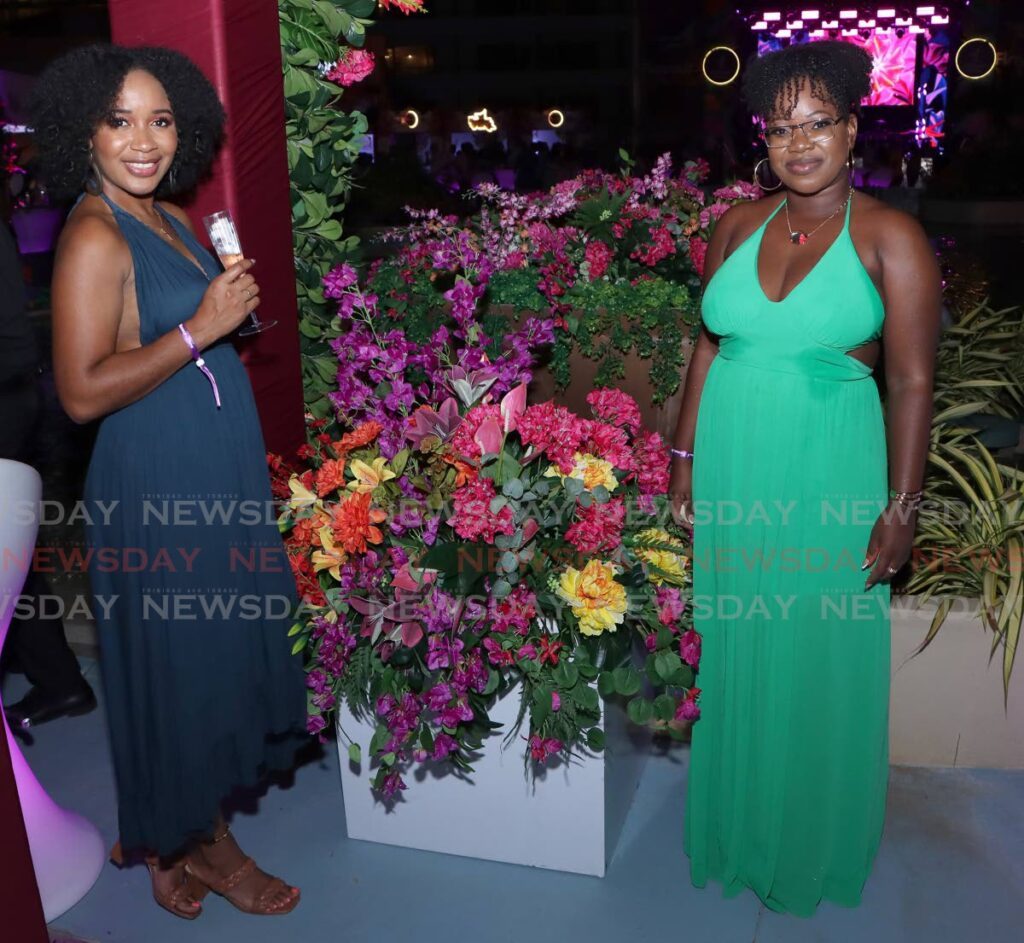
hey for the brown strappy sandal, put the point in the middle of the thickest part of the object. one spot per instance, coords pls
(177, 901)
(223, 886)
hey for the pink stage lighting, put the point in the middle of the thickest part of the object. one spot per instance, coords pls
(925, 11)
(885, 14)
(809, 14)
(817, 33)
(940, 19)
(784, 33)
(863, 23)
(830, 24)
(761, 24)
(847, 14)
(796, 24)
(773, 17)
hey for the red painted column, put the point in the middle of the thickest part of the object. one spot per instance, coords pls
(19, 897)
(237, 45)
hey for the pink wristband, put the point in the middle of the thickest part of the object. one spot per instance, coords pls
(200, 363)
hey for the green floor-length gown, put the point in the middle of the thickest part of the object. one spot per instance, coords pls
(789, 760)
(203, 694)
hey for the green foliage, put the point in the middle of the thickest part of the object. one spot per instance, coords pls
(323, 143)
(970, 531)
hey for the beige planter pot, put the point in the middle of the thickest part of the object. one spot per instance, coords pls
(946, 705)
(636, 382)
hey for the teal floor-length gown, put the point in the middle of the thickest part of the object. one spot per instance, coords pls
(789, 760)
(192, 590)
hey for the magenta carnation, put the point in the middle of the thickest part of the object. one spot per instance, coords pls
(598, 255)
(615, 407)
(473, 518)
(598, 527)
(353, 66)
(554, 431)
(652, 464)
(609, 443)
(698, 252)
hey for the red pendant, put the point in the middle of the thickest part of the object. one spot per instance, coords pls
(798, 238)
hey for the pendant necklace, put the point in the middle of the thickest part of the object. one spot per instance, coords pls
(160, 224)
(798, 237)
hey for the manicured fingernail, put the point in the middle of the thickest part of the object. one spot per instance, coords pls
(865, 563)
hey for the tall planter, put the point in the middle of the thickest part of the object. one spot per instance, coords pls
(636, 381)
(567, 819)
(946, 705)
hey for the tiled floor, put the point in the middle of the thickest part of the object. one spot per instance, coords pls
(951, 869)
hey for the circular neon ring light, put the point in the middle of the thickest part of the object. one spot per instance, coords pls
(704, 65)
(963, 46)
(410, 119)
(556, 118)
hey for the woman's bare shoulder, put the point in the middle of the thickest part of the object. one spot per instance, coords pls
(92, 233)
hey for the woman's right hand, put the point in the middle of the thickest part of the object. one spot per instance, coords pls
(227, 302)
(680, 492)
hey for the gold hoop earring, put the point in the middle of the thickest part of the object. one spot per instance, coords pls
(757, 181)
(93, 180)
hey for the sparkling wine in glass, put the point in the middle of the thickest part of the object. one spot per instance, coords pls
(227, 245)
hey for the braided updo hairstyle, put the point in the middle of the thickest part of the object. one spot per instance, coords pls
(837, 72)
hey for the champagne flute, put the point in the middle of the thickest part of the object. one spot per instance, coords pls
(224, 237)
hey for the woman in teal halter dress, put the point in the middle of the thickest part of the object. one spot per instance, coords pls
(787, 496)
(193, 594)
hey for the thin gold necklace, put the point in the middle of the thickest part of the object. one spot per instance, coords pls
(160, 223)
(799, 237)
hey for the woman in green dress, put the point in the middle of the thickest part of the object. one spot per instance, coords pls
(802, 497)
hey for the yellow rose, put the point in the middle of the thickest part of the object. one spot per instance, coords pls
(597, 600)
(672, 564)
(590, 469)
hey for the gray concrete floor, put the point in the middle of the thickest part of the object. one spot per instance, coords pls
(950, 869)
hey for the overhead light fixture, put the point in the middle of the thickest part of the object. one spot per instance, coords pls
(556, 118)
(410, 118)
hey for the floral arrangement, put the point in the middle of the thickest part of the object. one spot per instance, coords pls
(616, 260)
(457, 543)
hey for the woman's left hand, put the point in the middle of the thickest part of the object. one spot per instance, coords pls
(890, 545)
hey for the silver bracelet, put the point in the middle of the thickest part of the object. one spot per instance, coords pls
(681, 453)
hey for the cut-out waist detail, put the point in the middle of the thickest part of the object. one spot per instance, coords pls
(818, 363)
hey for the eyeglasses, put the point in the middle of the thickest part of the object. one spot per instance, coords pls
(817, 131)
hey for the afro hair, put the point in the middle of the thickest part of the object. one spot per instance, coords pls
(838, 72)
(77, 91)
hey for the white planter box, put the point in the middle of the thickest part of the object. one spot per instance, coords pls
(946, 705)
(568, 819)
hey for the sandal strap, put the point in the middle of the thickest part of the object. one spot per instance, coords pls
(234, 878)
(272, 887)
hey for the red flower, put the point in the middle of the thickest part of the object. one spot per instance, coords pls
(549, 651)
